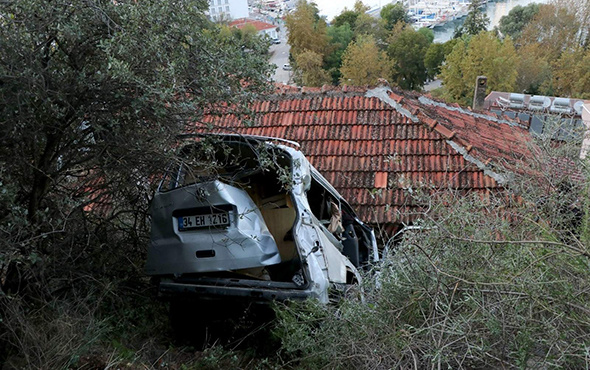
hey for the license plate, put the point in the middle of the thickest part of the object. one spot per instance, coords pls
(195, 222)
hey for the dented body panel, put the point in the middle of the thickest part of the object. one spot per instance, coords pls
(245, 243)
(256, 238)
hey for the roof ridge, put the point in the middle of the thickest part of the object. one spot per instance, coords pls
(457, 108)
(387, 95)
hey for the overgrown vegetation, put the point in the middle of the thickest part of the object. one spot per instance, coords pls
(92, 96)
(482, 281)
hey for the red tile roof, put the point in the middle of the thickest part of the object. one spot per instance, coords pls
(259, 25)
(374, 145)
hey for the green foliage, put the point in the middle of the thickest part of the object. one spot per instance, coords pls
(571, 74)
(449, 45)
(350, 16)
(363, 63)
(392, 14)
(477, 283)
(517, 19)
(346, 17)
(555, 29)
(581, 9)
(428, 33)
(368, 25)
(433, 59)
(92, 96)
(483, 54)
(80, 86)
(248, 33)
(550, 58)
(340, 37)
(307, 31)
(407, 49)
(309, 69)
(475, 22)
(534, 71)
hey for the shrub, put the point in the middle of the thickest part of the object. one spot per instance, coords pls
(495, 281)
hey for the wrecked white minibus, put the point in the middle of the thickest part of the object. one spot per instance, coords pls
(248, 218)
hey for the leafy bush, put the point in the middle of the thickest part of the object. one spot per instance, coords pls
(480, 281)
(92, 98)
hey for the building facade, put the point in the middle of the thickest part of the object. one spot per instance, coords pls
(262, 28)
(228, 9)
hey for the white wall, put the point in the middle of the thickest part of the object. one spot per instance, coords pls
(237, 9)
(271, 32)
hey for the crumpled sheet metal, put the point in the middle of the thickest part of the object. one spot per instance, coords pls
(246, 243)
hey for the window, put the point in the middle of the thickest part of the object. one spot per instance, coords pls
(227, 8)
(220, 9)
(218, 2)
(227, 1)
(213, 10)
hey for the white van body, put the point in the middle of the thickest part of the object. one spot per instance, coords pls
(252, 233)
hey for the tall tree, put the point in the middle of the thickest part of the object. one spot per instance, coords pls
(555, 28)
(428, 33)
(406, 50)
(309, 69)
(433, 59)
(582, 86)
(346, 17)
(581, 9)
(350, 16)
(475, 22)
(307, 31)
(368, 25)
(451, 73)
(392, 14)
(340, 37)
(517, 19)
(363, 63)
(435, 56)
(534, 71)
(571, 74)
(483, 54)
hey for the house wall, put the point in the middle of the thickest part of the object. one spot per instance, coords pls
(231, 9)
(271, 32)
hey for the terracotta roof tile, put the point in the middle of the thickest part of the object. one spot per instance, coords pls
(372, 153)
(259, 25)
(380, 179)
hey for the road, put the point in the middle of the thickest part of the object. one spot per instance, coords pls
(280, 56)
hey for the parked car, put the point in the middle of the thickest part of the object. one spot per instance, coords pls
(276, 41)
(287, 67)
(249, 218)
